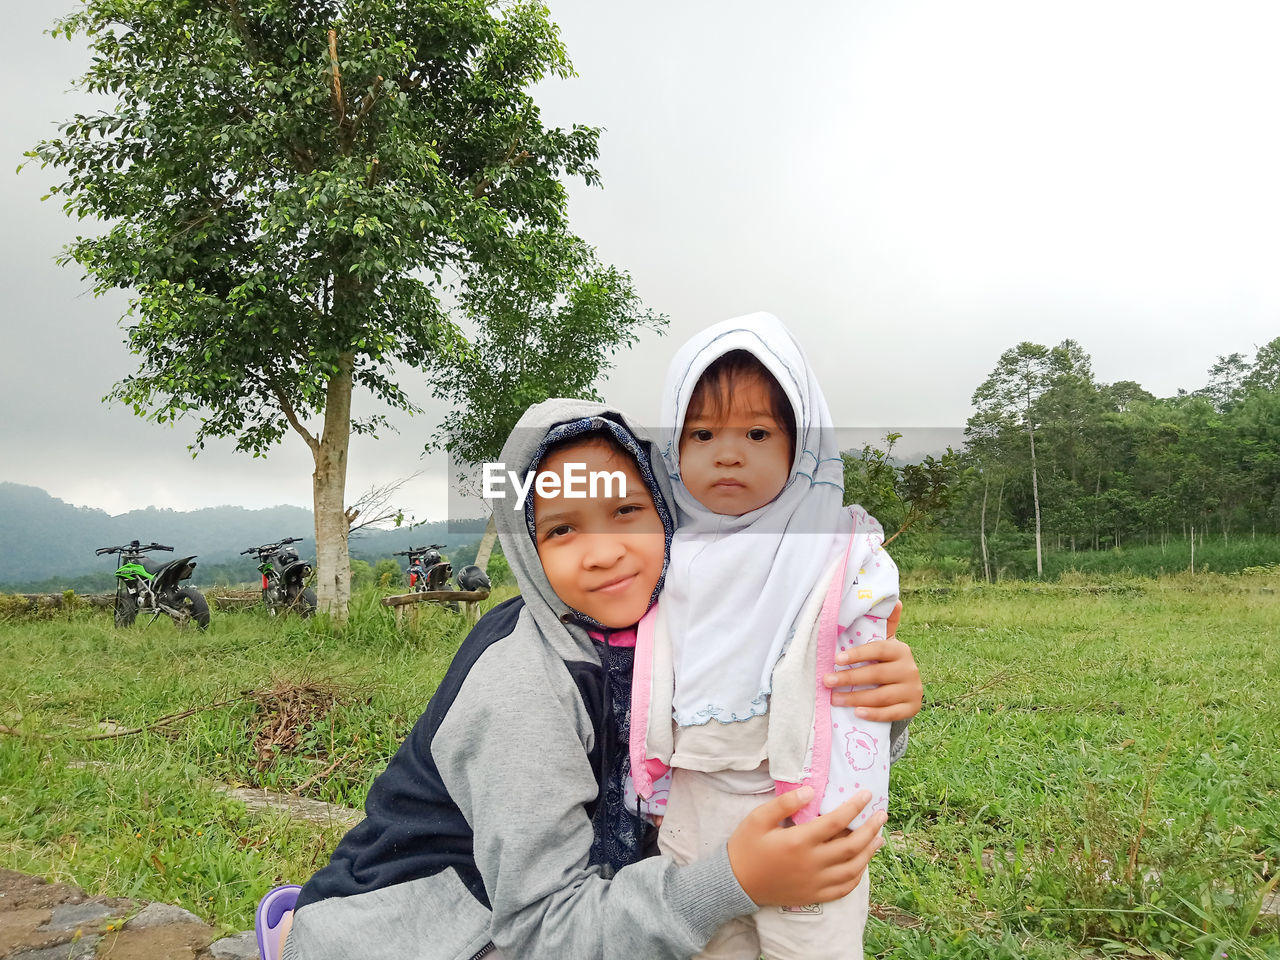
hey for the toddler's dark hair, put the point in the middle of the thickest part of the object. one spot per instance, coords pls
(711, 396)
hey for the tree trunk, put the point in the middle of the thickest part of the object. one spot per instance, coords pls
(1035, 495)
(1193, 548)
(995, 529)
(329, 488)
(982, 531)
(1097, 492)
(486, 544)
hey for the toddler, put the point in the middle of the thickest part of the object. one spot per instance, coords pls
(770, 579)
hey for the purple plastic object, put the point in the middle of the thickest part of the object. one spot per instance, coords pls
(266, 921)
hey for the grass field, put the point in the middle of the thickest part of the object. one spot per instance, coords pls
(1095, 772)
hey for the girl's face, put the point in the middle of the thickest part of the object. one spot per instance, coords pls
(740, 460)
(603, 553)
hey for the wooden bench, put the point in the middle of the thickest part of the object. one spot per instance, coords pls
(401, 602)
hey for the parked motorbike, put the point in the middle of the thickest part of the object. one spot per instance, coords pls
(146, 587)
(427, 570)
(284, 576)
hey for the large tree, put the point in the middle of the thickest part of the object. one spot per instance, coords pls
(1009, 400)
(547, 326)
(287, 184)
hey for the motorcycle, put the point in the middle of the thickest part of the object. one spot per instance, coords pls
(428, 570)
(284, 576)
(145, 587)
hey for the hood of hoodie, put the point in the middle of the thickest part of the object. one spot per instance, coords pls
(542, 425)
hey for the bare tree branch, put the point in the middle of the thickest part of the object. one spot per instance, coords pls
(375, 504)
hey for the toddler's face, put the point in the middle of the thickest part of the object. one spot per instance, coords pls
(739, 461)
(602, 554)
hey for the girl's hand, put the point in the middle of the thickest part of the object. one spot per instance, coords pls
(889, 671)
(814, 862)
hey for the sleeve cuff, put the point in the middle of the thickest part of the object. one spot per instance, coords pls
(898, 733)
(706, 894)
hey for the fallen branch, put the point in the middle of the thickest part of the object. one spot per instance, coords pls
(171, 718)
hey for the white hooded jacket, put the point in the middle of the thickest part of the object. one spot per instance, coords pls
(755, 607)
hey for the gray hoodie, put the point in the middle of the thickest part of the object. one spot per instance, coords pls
(485, 829)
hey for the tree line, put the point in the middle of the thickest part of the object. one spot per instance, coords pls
(1057, 461)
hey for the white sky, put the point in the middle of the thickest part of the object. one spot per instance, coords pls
(912, 186)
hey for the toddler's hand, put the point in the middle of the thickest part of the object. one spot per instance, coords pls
(814, 862)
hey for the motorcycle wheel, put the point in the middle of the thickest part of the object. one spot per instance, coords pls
(273, 601)
(303, 602)
(126, 608)
(192, 600)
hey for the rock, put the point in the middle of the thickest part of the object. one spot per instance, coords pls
(73, 916)
(298, 808)
(242, 946)
(161, 914)
(83, 949)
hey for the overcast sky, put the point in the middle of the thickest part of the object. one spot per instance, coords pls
(912, 186)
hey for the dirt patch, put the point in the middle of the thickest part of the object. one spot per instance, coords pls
(183, 941)
(19, 890)
(37, 917)
(57, 921)
(18, 930)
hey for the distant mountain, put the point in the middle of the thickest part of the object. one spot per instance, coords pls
(46, 543)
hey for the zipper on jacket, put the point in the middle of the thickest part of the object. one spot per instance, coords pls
(487, 949)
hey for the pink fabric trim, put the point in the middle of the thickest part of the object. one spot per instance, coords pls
(623, 638)
(828, 630)
(618, 638)
(643, 770)
(656, 770)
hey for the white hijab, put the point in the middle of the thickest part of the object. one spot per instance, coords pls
(736, 584)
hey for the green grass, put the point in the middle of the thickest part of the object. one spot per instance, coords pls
(1066, 731)
(937, 558)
